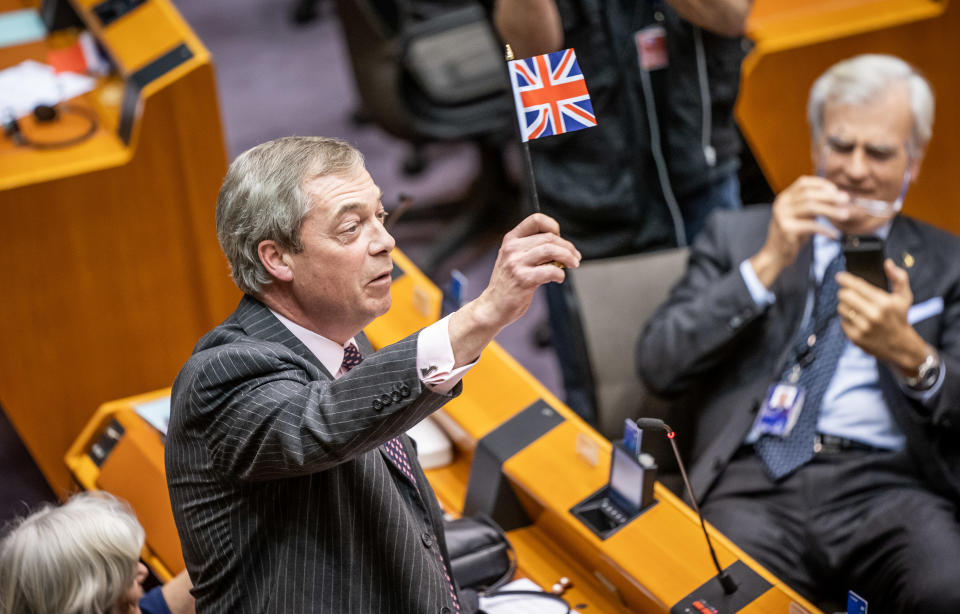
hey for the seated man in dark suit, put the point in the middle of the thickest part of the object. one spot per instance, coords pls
(858, 489)
(294, 488)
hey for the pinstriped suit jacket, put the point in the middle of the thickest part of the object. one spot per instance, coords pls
(283, 498)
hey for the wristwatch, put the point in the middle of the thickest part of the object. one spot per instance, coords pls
(927, 373)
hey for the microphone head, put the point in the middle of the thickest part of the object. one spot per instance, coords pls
(652, 423)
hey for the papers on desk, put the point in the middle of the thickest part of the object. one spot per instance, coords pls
(157, 413)
(31, 83)
(521, 604)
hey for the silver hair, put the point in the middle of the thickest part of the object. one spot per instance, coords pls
(263, 197)
(858, 79)
(78, 558)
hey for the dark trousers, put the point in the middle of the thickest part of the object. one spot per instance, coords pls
(854, 520)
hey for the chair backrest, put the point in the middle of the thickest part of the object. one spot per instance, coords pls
(613, 298)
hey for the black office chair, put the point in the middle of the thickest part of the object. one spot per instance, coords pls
(429, 73)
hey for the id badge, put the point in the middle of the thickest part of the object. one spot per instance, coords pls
(781, 409)
(652, 48)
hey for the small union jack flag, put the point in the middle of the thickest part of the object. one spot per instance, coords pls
(551, 95)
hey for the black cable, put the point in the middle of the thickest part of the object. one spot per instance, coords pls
(44, 114)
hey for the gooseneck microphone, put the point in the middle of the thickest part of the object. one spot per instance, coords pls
(728, 584)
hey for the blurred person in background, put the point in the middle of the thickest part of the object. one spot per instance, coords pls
(82, 558)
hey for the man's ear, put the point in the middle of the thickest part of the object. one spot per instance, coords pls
(916, 161)
(275, 260)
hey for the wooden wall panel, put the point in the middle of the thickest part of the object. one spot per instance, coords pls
(116, 271)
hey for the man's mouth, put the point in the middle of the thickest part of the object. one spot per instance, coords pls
(382, 278)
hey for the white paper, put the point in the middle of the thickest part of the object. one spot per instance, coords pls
(521, 604)
(30, 83)
(156, 412)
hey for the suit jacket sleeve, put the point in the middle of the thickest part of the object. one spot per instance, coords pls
(944, 411)
(265, 412)
(706, 314)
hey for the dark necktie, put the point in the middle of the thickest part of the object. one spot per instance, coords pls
(783, 455)
(394, 448)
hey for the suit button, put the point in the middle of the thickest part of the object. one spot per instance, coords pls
(385, 399)
(427, 540)
(404, 390)
(736, 321)
(377, 405)
(444, 610)
(396, 396)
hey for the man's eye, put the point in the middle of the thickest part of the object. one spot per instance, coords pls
(841, 147)
(351, 228)
(881, 155)
(382, 216)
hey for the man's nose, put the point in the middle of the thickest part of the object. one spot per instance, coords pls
(857, 167)
(382, 240)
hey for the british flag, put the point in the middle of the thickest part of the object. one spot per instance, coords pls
(551, 95)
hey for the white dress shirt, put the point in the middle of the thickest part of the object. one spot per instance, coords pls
(434, 353)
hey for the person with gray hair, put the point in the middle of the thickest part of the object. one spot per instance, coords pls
(82, 558)
(824, 407)
(293, 483)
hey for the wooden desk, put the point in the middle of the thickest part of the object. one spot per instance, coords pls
(797, 41)
(116, 271)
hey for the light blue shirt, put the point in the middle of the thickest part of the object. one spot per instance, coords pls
(853, 405)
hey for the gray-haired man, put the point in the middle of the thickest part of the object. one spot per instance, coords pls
(858, 487)
(293, 486)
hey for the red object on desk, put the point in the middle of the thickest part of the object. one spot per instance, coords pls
(68, 59)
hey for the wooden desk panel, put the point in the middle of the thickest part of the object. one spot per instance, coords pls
(117, 271)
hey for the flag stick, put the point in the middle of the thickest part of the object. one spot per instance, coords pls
(533, 180)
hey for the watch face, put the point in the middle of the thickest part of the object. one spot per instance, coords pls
(927, 374)
(928, 377)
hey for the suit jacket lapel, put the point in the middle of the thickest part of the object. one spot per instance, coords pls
(258, 321)
(908, 251)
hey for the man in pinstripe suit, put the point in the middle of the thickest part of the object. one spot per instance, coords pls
(293, 486)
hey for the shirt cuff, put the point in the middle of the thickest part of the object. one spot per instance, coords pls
(761, 296)
(435, 358)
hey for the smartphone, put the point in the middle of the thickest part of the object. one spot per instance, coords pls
(864, 256)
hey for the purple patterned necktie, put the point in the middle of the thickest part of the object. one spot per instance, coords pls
(394, 448)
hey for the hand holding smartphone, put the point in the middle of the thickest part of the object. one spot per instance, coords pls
(864, 256)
